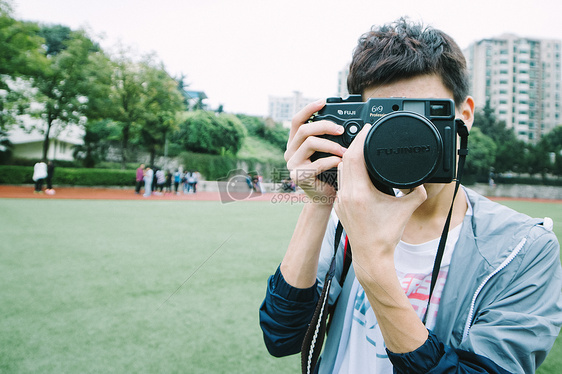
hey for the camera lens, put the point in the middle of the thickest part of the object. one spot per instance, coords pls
(402, 150)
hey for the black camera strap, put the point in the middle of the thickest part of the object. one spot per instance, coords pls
(462, 131)
(314, 337)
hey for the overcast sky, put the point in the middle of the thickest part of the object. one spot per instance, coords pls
(241, 51)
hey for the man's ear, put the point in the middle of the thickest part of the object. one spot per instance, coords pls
(467, 112)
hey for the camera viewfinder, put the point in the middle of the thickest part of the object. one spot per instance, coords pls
(439, 109)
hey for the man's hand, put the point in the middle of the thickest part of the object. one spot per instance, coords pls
(303, 143)
(371, 218)
(300, 264)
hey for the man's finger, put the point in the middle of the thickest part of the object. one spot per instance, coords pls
(304, 115)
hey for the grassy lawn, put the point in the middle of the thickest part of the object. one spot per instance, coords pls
(137, 287)
(92, 286)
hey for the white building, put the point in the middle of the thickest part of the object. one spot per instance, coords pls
(28, 142)
(283, 108)
(27, 135)
(521, 78)
(342, 82)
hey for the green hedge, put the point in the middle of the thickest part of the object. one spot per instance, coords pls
(211, 167)
(70, 176)
(11, 174)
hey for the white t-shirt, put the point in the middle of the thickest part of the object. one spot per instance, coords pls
(362, 348)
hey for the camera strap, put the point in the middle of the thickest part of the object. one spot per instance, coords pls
(314, 337)
(462, 131)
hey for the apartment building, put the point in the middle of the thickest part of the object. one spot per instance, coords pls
(521, 78)
(342, 81)
(283, 108)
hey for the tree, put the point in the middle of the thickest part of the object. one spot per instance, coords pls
(125, 99)
(162, 102)
(266, 129)
(21, 55)
(62, 87)
(535, 161)
(505, 139)
(207, 132)
(99, 80)
(182, 86)
(551, 145)
(5, 146)
(97, 140)
(481, 154)
(56, 38)
(20, 46)
(234, 133)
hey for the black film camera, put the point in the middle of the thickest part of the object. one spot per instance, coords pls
(411, 142)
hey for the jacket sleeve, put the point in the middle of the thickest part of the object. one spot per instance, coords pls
(434, 357)
(285, 315)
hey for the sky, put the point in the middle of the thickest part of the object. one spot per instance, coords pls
(239, 52)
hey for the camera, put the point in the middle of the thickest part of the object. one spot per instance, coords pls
(412, 141)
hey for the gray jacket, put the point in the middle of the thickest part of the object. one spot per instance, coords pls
(502, 298)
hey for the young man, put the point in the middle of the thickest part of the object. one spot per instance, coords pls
(497, 303)
(39, 175)
(148, 180)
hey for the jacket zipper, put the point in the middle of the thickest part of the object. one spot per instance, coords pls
(479, 289)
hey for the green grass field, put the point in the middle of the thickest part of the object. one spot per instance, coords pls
(91, 286)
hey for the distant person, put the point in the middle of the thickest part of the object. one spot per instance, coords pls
(160, 180)
(39, 175)
(177, 180)
(148, 177)
(154, 179)
(139, 178)
(197, 176)
(192, 178)
(168, 181)
(287, 185)
(50, 174)
(184, 182)
(491, 177)
(257, 183)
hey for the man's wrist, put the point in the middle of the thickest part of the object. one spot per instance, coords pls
(320, 202)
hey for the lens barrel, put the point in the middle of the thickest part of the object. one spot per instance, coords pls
(403, 150)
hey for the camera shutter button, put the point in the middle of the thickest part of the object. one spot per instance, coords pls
(353, 129)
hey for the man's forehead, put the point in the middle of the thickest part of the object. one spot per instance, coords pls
(425, 86)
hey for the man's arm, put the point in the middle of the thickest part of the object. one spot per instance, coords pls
(300, 264)
(291, 295)
(285, 314)
(290, 303)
